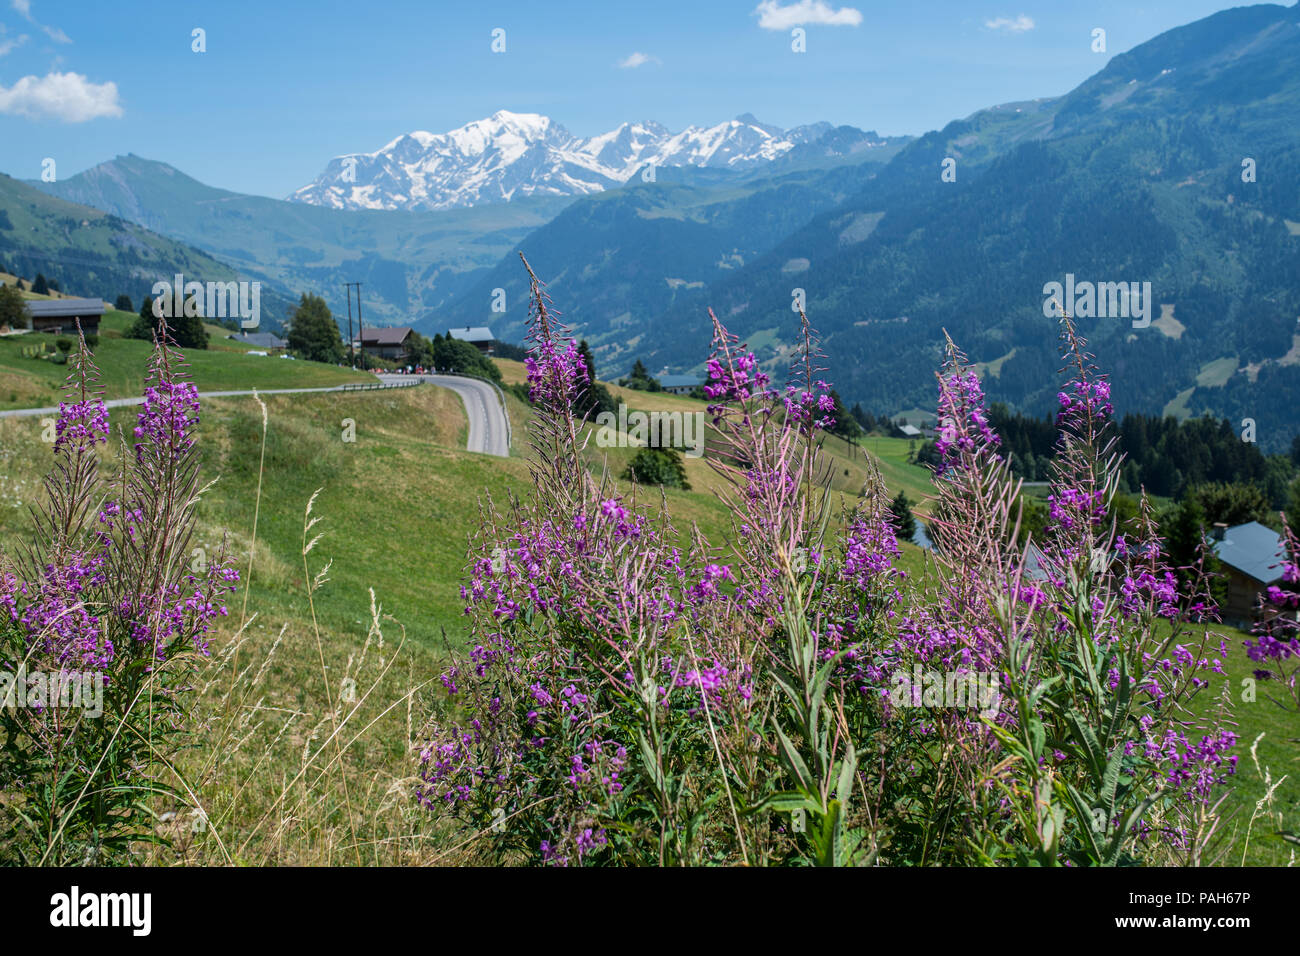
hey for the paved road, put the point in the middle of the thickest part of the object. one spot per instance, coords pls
(123, 402)
(489, 431)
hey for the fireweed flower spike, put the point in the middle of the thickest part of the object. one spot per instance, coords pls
(1085, 468)
(104, 589)
(632, 693)
(557, 379)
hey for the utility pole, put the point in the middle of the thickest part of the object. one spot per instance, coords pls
(352, 358)
(360, 327)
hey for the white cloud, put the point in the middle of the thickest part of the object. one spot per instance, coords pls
(1020, 24)
(637, 59)
(773, 16)
(8, 46)
(24, 8)
(66, 96)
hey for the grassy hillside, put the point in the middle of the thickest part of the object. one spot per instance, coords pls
(97, 252)
(295, 245)
(396, 509)
(596, 255)
(1135, 176)
(32, 382)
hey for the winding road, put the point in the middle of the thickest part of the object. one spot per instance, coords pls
(489, 428)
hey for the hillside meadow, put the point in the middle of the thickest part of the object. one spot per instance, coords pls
(27, 382)
(370, 612)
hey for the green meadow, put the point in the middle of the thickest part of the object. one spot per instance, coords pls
(396, 509)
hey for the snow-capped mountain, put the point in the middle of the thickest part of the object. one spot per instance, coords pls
(509, 155)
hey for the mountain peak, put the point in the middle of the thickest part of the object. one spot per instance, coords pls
(522, 120)
(509, 154)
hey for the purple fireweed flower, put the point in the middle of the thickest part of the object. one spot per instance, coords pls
(736, 381)
(592, 623)
(1146, 588)
(556, 377)
(964, 427)
(1086, 399)
(1277, 634)
(1072, 509)
(62, 618)
(168, 418)
(81, 423)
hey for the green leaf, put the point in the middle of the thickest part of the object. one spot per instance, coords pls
(794, 762)
(1088, 740)
(848, 767)
(788, 802)
(1110, 780)
(1087, 822)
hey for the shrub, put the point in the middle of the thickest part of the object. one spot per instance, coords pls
(657, 466)
(901, 517)
(453, 355)
(626, 698)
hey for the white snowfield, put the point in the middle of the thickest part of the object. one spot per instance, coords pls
(522, 154)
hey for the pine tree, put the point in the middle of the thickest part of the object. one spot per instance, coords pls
(41, 286)
(313, 333)
(585, 351)
(187, 329)
(186, 332)
(145, 323)
(845, 426)
(595, 398)
(901, 517)
(13, 308)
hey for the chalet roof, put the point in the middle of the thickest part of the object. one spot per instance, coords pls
(911, 431)
(1254, 550)
(57, 308)
(476, 333)
(679, 381)
(266, 340)
(389, 335)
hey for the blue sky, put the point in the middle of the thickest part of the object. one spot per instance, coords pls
(285, 86)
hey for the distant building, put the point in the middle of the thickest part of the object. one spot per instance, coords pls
(910, 431)
(263, 340)
(62, 315)
(1252, 556)
(477, 336)
(680, 384)
(922, 422)
(389, 343)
